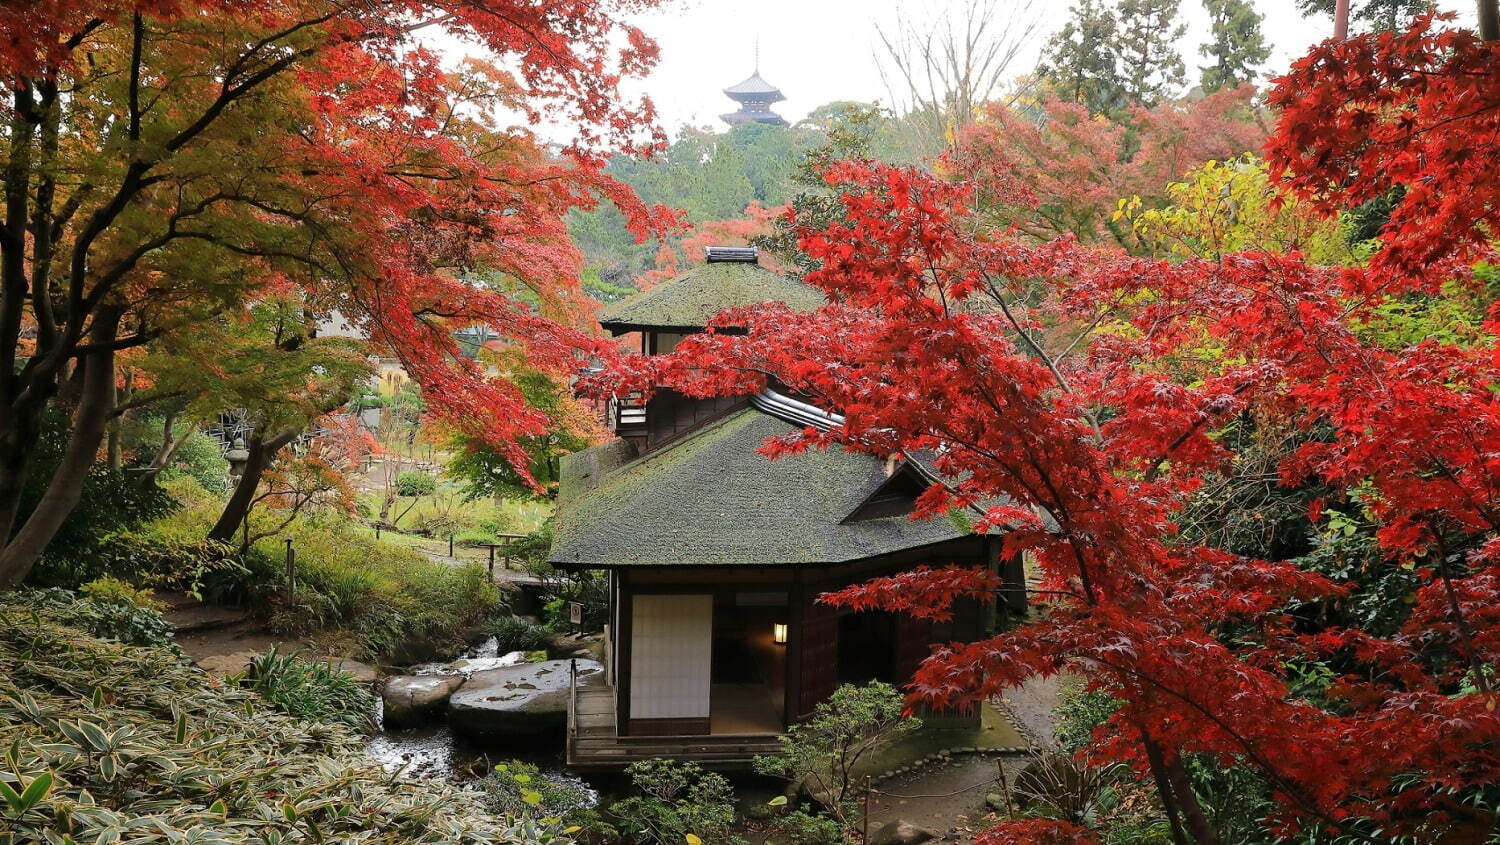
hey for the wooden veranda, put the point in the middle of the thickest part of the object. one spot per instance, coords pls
(595, 745)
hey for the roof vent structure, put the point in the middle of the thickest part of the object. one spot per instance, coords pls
(732, 254)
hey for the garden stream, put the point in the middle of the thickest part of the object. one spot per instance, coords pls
(435, 750)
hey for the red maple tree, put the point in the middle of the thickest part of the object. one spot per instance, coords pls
(1075, 399)
(169, 160)
(1408, 117)
(686, 251)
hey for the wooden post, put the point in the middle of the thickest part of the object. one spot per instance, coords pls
(377, 531)
(1005, 787)
(291, 569)
(865, 824)
(450, 545)
(492, 560)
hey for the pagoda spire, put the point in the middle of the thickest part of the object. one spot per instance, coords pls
(755, 96)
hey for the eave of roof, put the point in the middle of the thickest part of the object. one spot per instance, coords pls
(754, 84)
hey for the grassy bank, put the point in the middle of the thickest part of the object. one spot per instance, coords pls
(109, 742)
(390, 598)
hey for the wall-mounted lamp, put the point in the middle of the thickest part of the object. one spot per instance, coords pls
(778, 633)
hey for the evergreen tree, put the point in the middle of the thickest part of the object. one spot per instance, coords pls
(1237, 48)
(1080, 63)
(1378, 15)
(1146, 45)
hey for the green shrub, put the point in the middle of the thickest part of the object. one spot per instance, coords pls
(114, 612)
(415, 482)
(309, 690)
(822, 751)
(202, 568)
(114, 590)
(132, 744)
(516, 634)
(801, 827)
(674, 800)
(111, 501)
(1078, 713)
(365, 402)
(521, 789)
(199, 458)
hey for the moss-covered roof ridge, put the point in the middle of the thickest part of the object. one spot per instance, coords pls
(691, 300)
(710, 498)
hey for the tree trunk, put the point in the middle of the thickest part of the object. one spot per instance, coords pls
(1164, 789)
(1192, 810)
(262, 452)
(1341, 20)
(21, 429)
(95, 403)
(1489, 20)
(114, 439)
(169, 445)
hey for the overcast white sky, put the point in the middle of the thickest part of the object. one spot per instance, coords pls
(817, 51)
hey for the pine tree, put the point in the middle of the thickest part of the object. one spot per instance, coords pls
(1237, 48)
(1378, 15)
(1146, 45)
(1080, 62)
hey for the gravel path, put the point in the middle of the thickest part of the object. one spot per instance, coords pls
(947, 799)
(1030, 708)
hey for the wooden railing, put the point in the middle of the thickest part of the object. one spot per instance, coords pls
(628, 411)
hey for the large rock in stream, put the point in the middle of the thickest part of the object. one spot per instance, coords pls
(518, 701)
(412, 700)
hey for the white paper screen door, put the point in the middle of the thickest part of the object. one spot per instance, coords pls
(671, 656)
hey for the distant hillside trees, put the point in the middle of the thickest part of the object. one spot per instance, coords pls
(713, 176)
(1237, 49)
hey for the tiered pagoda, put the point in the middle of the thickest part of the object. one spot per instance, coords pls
(716, 555)
(755, 96)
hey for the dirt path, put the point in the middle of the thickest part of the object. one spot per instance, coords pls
(1030, 707)
(221, 640)
(947, 799)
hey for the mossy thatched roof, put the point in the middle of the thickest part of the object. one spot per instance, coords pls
(692, 299)
(712, 499)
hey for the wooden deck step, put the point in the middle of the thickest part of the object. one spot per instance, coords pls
(594, 746)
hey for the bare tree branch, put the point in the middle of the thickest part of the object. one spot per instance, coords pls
(940, 67)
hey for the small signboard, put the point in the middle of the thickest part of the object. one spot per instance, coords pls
(575, 613)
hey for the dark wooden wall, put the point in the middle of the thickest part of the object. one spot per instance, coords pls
(813, 651)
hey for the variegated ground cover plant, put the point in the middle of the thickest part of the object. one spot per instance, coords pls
(102, 742)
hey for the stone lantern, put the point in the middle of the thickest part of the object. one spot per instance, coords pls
(237, 456)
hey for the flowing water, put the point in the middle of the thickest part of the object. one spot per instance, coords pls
(434, 751)
(484, 656)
